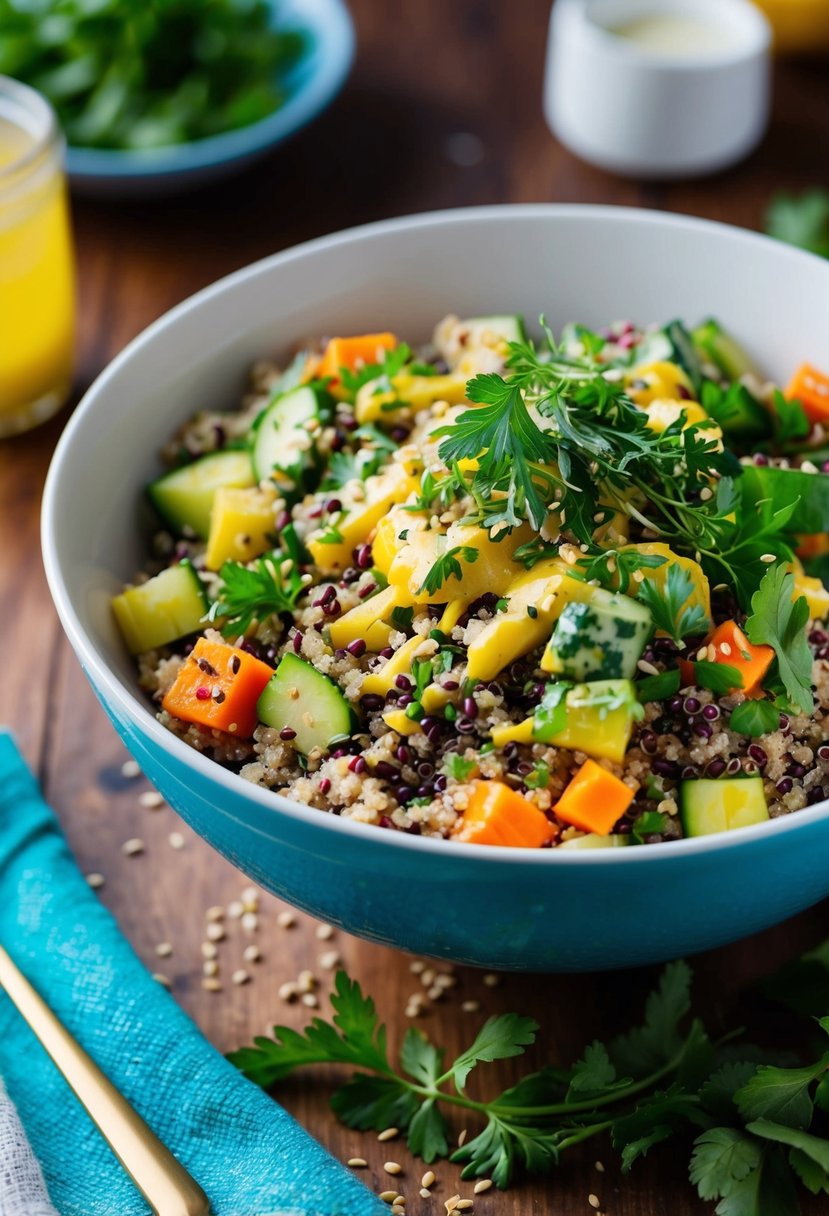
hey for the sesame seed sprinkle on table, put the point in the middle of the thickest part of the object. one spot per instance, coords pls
(95, 880)
(392, 1167)
(151, 799)
(325, 932)
(286, 920)
(132, 847)
(388, 1133)
(357, 1163)
(428, 1179)
(483, 1184)
(387, 1196)
(130, 770)
(176, 840)
(164, 949)
(594, 1201)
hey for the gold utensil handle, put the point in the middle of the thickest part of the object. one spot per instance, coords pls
(161, 1179)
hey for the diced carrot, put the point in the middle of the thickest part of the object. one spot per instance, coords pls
(594, 800)
(496, 814)
(811, 388)
(732, 647)
(353, 353)
(813, 544)
(218, 687)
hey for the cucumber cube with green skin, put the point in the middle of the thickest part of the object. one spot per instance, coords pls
(301, 698)
(723, 350)
(510, 328)
(710, 805)
(600, 639)
(283, 446)
(162, 610)
(593, 841)
(184, 497)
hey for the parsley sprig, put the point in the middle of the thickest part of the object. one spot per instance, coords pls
(751, 1121)
(778, 620)
(271, 585)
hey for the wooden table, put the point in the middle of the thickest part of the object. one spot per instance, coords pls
(388, 146)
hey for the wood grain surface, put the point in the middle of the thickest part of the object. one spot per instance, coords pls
(426, 73)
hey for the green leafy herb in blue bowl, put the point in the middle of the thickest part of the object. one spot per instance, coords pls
(166, 96)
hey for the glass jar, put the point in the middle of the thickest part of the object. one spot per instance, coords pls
(37, 296)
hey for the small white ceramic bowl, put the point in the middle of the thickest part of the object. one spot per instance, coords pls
(647, 112)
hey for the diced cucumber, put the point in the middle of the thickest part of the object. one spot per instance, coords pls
(719, 805)
(685, 354)
(302, 698)
(184, 497)
(162, 610)
(782, 487)
(510, 328)
(593, 841)
(283, 447)
(600, 639)
(723, 350)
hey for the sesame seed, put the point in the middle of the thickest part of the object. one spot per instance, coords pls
(210, 967)
(397, 1209)
(240, 977)
(598, 1165)
(768, 558)
(388, 1134)
(428, 1178)
(288, 992)
(250, 922)
(463, 1205)
(357, 1163)
(482, 1185)
(471, 1006)
(462, 1138)
(286, 920)
(413, 1011)
(96, 881)
(164, 949)
(214, 932)
(176, 840)
(250, 895)
(329, 960)
(706, 493)
(388, 1196)
(427, 977)
(130, 769)
(424, 1194)
(232, 729)
(252, 954)
(309, 999)
(131, 848)
(417, 966)
(445, 980)
(235, 909)
(725, 648)
(151, 799)
(211, 984)
(161, 979)
(491, 980)
(392, 1167)
(452, 1203)
(701, 653)
(638, 576)
(594, 1201)
(216, 912)
(325, 932)
(307, 981)
(647, 667)
(209, 950)
(435, 993)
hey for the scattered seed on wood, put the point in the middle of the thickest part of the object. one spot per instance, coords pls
(250, 922)
(211, 984)
(250, 899)
(392, 1167)
(427, 977)
(161, 979)
(214, 932)
(216, 912)
(463, 1205)
(428, 1179)
(471, 1006)
(416, 966)
(131, 848)
(325, 932)
(444, 980)
(240, 977)
(357, 1163)
(599, 1166)
(209, 949)
(435, 993)
(452, 1203)
(594, 1201)
(164, 949)
(151, 799)
(176, 840)
(96, 881)
(307, 981)
(482, 1185)
(491, 980)
(210, 967)
(397, 1209)
(309, 999)
(286, 920)
(130, 769)
(462, 1138)
(329, 960)
(424, 1194)
(387, 1196)
(388, 1134)
(288, 992)
(235, 909)
(252, 954)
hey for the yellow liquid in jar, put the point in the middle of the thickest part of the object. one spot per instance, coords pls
(36, 288)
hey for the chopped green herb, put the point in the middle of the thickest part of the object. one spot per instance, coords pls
(402, 617)
(780, 622)
(247, 594)
(448, 566)
(659, 687)
(719, 678)
(754, 718)
(669, 604)
(457, 767)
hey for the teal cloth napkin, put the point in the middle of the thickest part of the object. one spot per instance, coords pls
(250, 1157)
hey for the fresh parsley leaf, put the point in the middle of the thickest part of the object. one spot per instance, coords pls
(499, 1038)
(457, 767)
(247, 594)
(614, 568)
(402, 617)
(790, 420)
(812, 1147)
(593, 1074)
(550, 717)
(801, 221)
(539, 778)
(669, 605)
(374, 1103)
(649, 823)
(448, 566)
(428, 1133)
(659, 1038)
(420, 1058)
(659, 687)
(781, 1094)
(754, 718)
(778, 621)
(719, 678)
(423, 673)
(722, 1157)
(653, 1121)
(390, 365)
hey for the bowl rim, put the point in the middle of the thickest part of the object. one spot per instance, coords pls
(328, 23)
(141, 716)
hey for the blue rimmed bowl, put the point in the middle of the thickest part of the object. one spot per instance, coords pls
(546, 910)
(310, 85)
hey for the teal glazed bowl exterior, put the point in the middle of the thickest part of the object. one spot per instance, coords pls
(517, 909)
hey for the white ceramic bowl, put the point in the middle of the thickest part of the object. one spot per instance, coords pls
(643, 112)
(513, 908)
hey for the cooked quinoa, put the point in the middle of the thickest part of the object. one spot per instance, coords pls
(595, 593)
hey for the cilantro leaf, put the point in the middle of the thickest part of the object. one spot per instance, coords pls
(722, 1157)
(448, 566)
(420, 1058)
(719, 678)
(658, 1039)
(593, 1074)
(754, 718)
(659, 687)
(428, 1132)
(656, 1119)
(499, 1038)
(780, 1094)
(457, 767)
(669, 605)
(391, 364)
(779, 622)
(813, 1147)
(247, 594)
(374, 1103)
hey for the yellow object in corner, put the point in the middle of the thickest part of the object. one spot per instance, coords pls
(798, 25)
(241, 526)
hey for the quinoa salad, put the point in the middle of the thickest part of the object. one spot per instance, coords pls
(561, 591)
